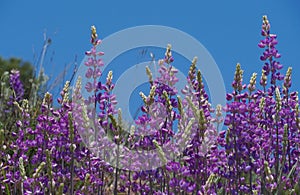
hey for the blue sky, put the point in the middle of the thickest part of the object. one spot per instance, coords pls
(230, 30)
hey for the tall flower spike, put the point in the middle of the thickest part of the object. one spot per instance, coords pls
(95, 42)
(270, 54)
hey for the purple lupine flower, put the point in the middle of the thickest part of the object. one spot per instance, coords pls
(17, 86)
(257, 154)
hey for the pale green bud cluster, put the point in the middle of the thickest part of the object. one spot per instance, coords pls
(193, 69)
(199, 115)
(263, 78)
(251, 86)
(199, 78)
(269, 176)
(266, 23)
(78, 85)
(85, 115)
(24, 105)
(149, 74)
(48, 160)
(180, 107)
(47, 99)
(168, 101)
(219, 110)
(161, 153)
(144, 97)
(22, 169)
(152, 94)
(187, 130)
(278, 99)
(150, 99)
(94, 35)
(262, 103)
(168, 53)
(287, 78)
(120, 122)
(66, 92)
(132, 130)
(238, 77)
(61, 189)
(39, 170)
(87, 182)
(109, 77)
(209, 181)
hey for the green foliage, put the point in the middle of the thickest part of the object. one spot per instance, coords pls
(8, 115)
(26, 71)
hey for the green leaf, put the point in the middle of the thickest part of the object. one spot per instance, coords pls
(113, 121)
(297, 188)
(293, 170)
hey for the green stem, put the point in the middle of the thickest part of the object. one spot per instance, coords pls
(116, 173)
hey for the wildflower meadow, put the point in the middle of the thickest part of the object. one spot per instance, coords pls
(79, 143)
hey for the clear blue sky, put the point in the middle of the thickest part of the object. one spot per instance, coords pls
(230, 30)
